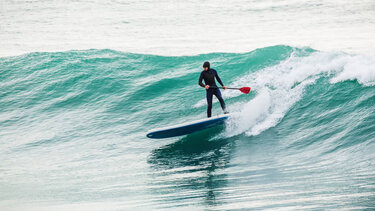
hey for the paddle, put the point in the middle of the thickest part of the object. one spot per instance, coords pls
(244, 90)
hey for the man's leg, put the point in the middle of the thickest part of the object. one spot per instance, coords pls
(209, 94)
(217, 93)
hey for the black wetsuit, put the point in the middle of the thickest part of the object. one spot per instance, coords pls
(209, 79)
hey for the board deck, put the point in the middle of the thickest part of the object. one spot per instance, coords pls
(187, 128)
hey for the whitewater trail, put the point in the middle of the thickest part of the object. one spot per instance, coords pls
(279, 87)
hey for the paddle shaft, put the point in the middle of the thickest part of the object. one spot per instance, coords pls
(244, 90)
(228, 88)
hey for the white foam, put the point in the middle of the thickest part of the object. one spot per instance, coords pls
(251, 113)
(279, 87)
(360, 68)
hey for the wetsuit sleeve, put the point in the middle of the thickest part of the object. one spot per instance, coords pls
(200, 81)
(218, 79)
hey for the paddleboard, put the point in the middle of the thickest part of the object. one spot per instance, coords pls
(187, 128)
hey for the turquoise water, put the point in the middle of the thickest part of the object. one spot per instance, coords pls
(73, 126)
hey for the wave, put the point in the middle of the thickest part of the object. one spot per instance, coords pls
(149, 88)
(277, 88)
(73, 124)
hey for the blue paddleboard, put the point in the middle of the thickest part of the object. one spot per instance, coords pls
(187, 128)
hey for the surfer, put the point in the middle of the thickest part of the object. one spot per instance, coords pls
(209, 75)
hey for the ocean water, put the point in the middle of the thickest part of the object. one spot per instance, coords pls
(190, 27)
(81, 83)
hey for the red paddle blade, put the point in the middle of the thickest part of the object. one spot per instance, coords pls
(245, 90)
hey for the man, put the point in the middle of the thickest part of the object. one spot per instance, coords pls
(209, 75)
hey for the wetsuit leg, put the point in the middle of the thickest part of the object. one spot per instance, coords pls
(209, 94)
(217, 93)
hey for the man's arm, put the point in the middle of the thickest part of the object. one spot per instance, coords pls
(200, 81)
(218, 79)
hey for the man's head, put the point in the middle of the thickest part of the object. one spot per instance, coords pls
(206, 66)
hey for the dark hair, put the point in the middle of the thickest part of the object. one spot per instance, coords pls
(206, 64)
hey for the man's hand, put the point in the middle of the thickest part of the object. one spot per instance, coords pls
(207, 87)
(224, 87)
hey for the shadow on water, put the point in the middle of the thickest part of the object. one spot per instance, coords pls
(191, 163)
